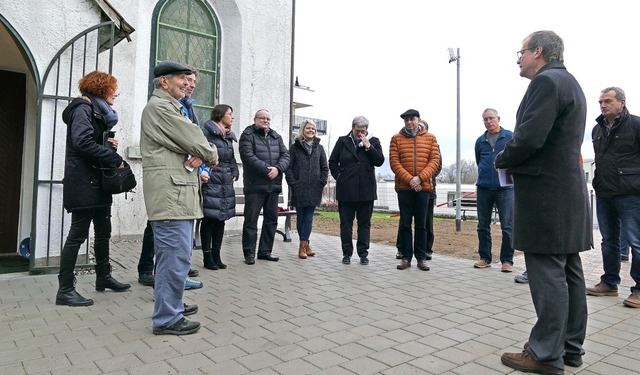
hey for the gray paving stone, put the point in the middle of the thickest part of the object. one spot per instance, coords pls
(118, 363)
(353, 350)
(88, 368)
(365, 365)
(325, 359)
(54, 362)
(258, 361)
(152, 368)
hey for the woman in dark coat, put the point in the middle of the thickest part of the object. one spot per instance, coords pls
(90, 146)
(307, 175)
(218, 192)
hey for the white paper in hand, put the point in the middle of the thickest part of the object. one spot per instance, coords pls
(505, 177)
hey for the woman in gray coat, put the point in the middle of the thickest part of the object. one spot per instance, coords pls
(219, 204)
(307, 175)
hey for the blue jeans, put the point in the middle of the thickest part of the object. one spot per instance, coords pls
(503, 199)
(304, 221)
(616, 215)
(173, 240)
(624, 244)
(413, 208)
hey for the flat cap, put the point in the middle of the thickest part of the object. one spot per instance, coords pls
(171, 67)
(410, 113)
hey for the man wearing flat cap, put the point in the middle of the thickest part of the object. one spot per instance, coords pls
(414, 158)
(172, 192)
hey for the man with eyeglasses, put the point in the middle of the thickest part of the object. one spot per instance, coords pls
(352, 164)
(551, 222)
(490, 192)
(264, 159)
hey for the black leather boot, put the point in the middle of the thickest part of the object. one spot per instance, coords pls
(67, 294)
(105, 281)
(207, 257)
(216, 258)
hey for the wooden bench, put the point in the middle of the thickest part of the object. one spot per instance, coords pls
(240, 200)
(468, 202)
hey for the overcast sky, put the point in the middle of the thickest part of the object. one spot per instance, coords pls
(377, 59)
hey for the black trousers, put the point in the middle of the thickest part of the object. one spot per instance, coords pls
(211, 234)
(430, 233)
(431, 237)
(253, 204)
(145, 263)
(362, 211)
(79, 232)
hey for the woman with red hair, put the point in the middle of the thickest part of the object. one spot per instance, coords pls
(90, 146)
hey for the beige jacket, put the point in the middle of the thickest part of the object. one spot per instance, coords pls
(167, 136)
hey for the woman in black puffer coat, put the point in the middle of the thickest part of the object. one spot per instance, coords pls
(306, 176)
(217, 189)
(90, 145)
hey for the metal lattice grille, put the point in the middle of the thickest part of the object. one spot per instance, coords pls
(187, 31)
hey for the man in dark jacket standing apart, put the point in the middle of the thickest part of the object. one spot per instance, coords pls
(264, 159)
(551, 219)
(489, 191)
(616, 142)
(352, 164)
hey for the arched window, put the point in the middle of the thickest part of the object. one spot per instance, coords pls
(188, 31)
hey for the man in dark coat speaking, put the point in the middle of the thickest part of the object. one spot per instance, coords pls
(551, 223)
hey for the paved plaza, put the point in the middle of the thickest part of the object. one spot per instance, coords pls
(313, 316)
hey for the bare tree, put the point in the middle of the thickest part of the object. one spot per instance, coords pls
(468, 169)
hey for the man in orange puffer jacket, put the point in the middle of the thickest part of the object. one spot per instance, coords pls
(414, 157)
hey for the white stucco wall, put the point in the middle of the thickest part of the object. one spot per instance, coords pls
(254, 72)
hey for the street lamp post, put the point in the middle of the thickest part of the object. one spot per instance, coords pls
(456, 57)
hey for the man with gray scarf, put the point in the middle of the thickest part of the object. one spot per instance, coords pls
(414, 157)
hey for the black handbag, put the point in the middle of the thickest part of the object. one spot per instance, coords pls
(118, 180)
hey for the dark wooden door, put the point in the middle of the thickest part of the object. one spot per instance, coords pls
(12, 116)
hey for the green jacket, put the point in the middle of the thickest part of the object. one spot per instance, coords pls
(171, 192)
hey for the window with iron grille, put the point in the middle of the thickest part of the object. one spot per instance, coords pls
(188, 31)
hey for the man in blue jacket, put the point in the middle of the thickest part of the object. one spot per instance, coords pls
(490, 192)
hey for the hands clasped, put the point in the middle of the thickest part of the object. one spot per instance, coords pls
(415, 183)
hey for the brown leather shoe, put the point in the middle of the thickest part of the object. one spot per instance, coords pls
(602, 289)
(310, 252)
(524, 362)
(422, 264)
(404, 264)
(302, 250)
(573, 360)
(633, 300)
